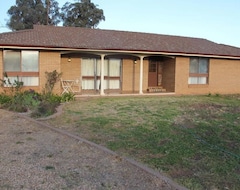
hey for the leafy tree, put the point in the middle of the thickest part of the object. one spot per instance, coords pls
(26, 13)
(81, 14)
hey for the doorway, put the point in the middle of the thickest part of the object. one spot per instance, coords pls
(155, 73)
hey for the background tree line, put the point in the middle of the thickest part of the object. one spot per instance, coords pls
(26, 13)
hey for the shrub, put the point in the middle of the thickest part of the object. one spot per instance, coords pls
(66, 97)
(52, 78)
(12, 86)
(44, 109)
(4, 99)
(41, 105)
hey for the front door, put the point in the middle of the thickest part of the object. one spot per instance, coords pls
(154, 73)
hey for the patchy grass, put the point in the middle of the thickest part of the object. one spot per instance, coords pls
(193, 139)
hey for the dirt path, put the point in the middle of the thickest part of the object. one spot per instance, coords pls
(36, 157)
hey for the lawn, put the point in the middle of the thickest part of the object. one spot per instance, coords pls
(195, 140)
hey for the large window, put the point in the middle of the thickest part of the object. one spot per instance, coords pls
(91, 73)
(198, 72)
(22, 66)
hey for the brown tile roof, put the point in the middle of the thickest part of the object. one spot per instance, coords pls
(97, 39)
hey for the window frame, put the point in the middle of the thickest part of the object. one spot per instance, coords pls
(21, 74)
(198, 75)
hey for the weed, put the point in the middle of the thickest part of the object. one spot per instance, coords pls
(49, 168)
(19, 142)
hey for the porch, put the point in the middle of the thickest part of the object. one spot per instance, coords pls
(118, 74)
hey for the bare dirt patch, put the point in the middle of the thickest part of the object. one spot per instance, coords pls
(34, 157)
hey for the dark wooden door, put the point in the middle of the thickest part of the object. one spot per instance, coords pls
(152, 74)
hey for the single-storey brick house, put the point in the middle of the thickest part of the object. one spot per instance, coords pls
(108, 61)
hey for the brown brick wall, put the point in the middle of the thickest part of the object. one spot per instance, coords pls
(145, 74)
(181, 75)
(1, 66)
(168, 78)
(224, 74)
(131, 75)
(49, 61)
(128, 78)
(71, 70)
(223, 77)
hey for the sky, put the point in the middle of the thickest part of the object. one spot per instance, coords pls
(215, 20)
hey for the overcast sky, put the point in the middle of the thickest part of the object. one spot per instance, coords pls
(215, 20)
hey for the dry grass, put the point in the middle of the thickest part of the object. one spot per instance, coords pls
(194, 139)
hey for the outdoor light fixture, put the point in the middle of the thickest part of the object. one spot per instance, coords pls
(135, 61)
(69, 59)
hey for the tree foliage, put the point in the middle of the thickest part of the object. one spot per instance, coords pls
(26, 13)
(81, 14)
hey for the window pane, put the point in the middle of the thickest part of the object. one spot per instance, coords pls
(30, 81)
(152, 67)
(197, 80)
(193, 80)
(88, 67)
(194, 65)
(87, 84)
(203, 65)
(114, 84)
(202, 80)
(115, 66)
(12, 61)
(106, 67)
(98, 66)
(30, 61)
(10, 81)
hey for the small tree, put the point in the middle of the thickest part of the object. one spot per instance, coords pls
(51, 79)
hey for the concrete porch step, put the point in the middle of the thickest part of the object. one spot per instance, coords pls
(156, 89)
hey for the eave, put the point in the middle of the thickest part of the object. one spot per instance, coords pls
(116, 51)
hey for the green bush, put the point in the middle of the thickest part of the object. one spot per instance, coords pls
(31, 99)
(66, 97)
(45, 108)
(4, 99)
(21, 101)
(41, 105)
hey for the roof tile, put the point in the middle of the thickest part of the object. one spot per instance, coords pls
(85, 38)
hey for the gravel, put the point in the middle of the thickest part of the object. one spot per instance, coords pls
(34, 157)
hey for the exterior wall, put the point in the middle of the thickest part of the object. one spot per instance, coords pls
(145, 75)
(71, 70)
(223, 77)
(168, 78)
(128, 78)
(181, 75)
(1, 67)
(49, 61)
(224, 74)
(131, 75)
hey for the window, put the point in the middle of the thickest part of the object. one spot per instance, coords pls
(198, 72)
(152, 67)
(91, 72)
(22, 65)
